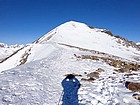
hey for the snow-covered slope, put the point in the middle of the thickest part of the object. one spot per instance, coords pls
(138, 44)
(39, 82)
(27, 54)
(78, 35)
(7, 50)
(71, 48)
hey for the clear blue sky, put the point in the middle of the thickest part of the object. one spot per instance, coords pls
(23, 21)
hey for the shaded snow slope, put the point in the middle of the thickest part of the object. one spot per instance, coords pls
(39, 82)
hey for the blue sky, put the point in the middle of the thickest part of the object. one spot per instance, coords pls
(23, 21)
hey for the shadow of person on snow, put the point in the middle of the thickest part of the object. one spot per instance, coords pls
(70, 89)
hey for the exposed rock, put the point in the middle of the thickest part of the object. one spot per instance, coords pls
(122, 70)
(131, 74)
(107, 32)
(93, 75)
(135, 87)
(100, 70)
(127, 43)
(112, 77)
(89, 79)
(25, 56)
(136, 96)
(123, 65)
(74, 74)
(91, 27)
(89, 57)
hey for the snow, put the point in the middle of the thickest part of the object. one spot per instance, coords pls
(12, 61)
(7, 50)
(138, 43)
(44, 51)
(80, 35)
(35, 51)
(39, 82)
(74, 34)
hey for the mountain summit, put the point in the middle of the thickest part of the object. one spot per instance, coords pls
(83, 36)
(77, 35)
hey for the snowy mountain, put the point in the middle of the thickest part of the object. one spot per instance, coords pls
(7, 50)
(101, 61)
(138, 44)
(82, 36)
(78, 35)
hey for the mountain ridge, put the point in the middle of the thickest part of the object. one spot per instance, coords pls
(77, 24)
(79, 35)
(101, 62)
(7, 50)
(62, 37)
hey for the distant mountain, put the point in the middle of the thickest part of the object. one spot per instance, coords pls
(7, 50)
(101, 61)
(138, 43)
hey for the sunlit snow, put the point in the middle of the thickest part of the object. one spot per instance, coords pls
(38, 81)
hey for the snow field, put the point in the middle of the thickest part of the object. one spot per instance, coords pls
(39, 81)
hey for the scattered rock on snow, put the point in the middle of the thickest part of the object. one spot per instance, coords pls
(135, 87)
(136, 96)
(88, 79)
(93, 75)
(122, 70)
(100, 70)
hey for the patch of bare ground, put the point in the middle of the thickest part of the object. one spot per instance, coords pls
(25, 57)
(131, 74)
(122, 40)
(105, 55)
(135, 87)
(108, 32)
(136, 96)
(127, 43)
(123, 65)
(93, 75)
(79, 75)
